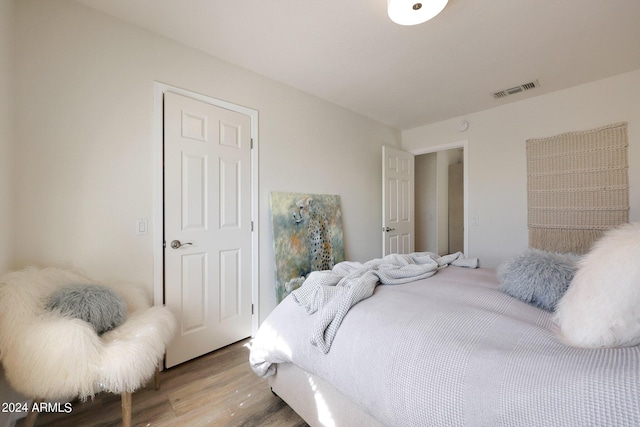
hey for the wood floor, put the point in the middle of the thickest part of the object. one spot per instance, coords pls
(218, 389)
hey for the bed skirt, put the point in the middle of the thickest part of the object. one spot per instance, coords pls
(316, 401)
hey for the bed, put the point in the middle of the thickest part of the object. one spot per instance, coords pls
(450, 349)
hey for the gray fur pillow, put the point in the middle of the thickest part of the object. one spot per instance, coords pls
(538, 277)
(96, 304)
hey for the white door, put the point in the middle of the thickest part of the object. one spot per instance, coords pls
(207, 203)
(398, 180)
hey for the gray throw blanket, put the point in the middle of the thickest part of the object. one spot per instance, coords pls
(334, 292)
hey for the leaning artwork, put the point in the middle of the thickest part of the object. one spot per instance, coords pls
(307, 236)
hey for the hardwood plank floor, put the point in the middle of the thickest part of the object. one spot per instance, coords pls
(217, 389)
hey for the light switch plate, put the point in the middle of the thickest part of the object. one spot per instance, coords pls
(142, 226)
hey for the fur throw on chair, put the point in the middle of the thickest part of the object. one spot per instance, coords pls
(49, 355)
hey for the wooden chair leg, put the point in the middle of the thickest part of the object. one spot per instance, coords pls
(126, 409)
(30, 421)
(157, 377)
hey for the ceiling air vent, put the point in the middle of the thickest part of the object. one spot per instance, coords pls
(516, 89)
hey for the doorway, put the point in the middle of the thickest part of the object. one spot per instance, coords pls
(441, 199)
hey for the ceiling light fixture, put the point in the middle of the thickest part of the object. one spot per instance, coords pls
(412, 12)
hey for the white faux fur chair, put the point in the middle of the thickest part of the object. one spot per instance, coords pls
(48, 356)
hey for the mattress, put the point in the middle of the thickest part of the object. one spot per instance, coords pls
(453, 350)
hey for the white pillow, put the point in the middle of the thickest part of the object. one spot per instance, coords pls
(601, 308)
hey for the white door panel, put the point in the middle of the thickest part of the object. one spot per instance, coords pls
(207, 181)
(398, 179)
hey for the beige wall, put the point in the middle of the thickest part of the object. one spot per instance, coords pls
(6, 131)
(83, 151)
(497, 164)
(85, 143)
(6, 188)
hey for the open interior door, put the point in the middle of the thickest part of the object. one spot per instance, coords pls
(398, 180)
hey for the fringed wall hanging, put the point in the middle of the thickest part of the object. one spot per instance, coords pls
(577, 187)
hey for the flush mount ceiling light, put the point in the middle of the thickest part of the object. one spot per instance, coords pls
(412, 12)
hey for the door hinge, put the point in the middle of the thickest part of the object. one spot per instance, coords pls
(251, 308)
(251, 226)
(252, 143)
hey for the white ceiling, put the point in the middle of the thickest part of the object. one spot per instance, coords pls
(349, 52)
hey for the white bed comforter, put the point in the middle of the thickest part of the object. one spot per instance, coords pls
(451, 350)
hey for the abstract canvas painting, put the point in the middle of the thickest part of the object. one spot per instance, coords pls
(307, 236)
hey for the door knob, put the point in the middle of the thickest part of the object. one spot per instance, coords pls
(176, 244)
(387, 229)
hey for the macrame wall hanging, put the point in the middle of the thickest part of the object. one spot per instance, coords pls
(577, 187)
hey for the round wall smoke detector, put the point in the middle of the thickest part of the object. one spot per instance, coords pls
(463, 126)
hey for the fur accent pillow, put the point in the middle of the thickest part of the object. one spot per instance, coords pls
(537, 277)
(602, 306)
(96, 304)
